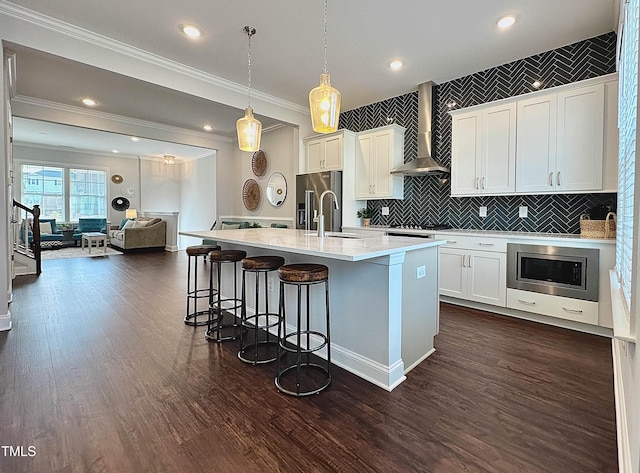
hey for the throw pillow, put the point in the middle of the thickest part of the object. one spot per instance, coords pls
(122, 223)
(140, 223)
(128, 224)
(230, 226)
(45, 227)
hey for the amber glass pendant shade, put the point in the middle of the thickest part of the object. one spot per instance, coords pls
(249, 131)
(324, 102)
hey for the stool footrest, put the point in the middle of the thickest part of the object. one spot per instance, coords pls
(257, 360)
(303, 367)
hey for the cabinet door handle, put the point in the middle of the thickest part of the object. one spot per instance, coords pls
(572, 311)
(477, 183)
(464, 261)
(558, 179)
(451, 241)
(485, 244)
(374, 188)
(483, 179)
(551, 179)
(521, 301)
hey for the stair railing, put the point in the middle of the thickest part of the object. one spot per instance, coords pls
(29, 224)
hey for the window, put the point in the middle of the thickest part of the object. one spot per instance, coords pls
(63, 193)
(626, 255)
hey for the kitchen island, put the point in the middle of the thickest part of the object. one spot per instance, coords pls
(383, 294)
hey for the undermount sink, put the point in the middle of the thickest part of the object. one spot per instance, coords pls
(335, 235)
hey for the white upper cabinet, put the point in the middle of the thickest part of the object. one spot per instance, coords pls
(484, 151)
(580, 139)
(559, 140)
(324, 153)
(380, 150)
(537, 123)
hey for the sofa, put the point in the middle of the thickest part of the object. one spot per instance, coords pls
(139, 233)
(51, 231)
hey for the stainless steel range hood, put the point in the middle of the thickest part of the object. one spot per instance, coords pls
(424, 164)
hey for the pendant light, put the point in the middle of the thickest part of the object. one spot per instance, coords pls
(249, 129)
(169, 160)
(324, 100)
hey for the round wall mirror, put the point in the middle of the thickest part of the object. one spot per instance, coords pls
(276, 189)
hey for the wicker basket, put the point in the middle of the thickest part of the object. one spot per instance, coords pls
(598, 228)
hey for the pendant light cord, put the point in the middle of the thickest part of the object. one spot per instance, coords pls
(325, 35)
(250, 32)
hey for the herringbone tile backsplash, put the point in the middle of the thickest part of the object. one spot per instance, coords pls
(427, 199)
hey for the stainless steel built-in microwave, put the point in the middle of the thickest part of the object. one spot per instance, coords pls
(555, 270)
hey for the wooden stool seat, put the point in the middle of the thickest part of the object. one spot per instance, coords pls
(303, 273)
(201, 250)
(265, 263)
(227, 256)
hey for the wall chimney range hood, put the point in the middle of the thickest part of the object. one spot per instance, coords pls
(424, 164)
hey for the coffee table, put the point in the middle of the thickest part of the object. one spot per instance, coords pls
(98, 237)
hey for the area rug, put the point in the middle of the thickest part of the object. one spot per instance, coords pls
(77, 252)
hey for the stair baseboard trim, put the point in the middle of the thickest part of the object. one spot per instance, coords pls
(5, 321)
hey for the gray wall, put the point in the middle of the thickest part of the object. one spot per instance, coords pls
(429, 200)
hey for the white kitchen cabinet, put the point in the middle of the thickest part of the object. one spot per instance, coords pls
(324, 153)
(560, 138)
(472, 274)
(380, 150)
(554, 306)
(484, 150)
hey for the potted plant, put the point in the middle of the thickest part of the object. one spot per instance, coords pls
(365, 214)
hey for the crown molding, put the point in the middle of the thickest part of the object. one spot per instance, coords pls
(67, 29)
(59, 107)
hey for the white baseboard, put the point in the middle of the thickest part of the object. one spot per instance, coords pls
(420, 360)
(622, 427)
(5, 321)
(170, 248)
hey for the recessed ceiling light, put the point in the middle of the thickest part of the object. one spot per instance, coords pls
(89, 102)
(536, 84)
(506, 21)
(135, 138)
(395, 65)
(191, 31)
(115, 151)
(207, 127)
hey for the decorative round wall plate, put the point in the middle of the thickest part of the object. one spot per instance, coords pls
(259, 163)
(128, 191)
(120, 204)
(251, 194)
(117, 179)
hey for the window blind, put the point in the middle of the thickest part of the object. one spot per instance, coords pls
(627, 123)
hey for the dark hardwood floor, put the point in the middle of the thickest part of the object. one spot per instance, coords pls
(100, 374)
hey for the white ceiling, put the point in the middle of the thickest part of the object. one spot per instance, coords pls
(438, 41)
(76, 139)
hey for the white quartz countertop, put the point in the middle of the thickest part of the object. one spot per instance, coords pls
(567, 237)
(298, 241)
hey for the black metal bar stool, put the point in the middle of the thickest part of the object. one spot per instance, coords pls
(310, 377)
(194, 294)
(221, 305)
(252, 350)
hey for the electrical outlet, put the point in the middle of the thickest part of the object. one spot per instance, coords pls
(483, 211)
(523, 211)
(421, 272)
(385, 210)
(270, 284)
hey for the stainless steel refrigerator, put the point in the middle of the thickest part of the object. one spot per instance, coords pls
(317, 183)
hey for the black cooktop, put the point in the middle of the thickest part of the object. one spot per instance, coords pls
(423, 226)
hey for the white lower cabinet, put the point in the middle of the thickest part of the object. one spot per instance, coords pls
(474, 275)
(554, 306)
